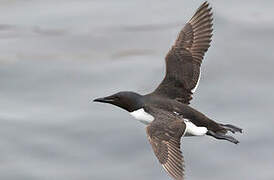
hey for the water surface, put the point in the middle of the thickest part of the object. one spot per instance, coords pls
(56, 56)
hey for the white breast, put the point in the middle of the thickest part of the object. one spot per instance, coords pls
(193, 130)
(142, 116)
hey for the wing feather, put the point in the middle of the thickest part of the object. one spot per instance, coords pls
(165, 141)
(184, 59)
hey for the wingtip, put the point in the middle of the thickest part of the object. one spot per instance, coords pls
(205, 8)
(206, 3)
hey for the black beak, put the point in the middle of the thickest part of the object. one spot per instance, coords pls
(104, 100)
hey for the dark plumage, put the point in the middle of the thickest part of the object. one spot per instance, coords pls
(184, 59)
(166, 111)
(165, 138)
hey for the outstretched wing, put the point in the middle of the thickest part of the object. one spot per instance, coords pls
(184, 59)
(165, 141)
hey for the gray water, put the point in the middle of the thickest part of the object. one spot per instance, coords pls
(56, 56)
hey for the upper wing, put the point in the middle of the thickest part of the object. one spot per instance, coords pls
(165, 141)
(184, 59)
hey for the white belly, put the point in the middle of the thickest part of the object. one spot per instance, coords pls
(193, 130)
(142, 116)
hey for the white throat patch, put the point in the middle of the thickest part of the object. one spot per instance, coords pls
(142, 116)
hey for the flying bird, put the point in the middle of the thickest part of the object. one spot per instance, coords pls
(166, 111)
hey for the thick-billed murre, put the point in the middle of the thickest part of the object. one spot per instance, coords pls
(166, 111)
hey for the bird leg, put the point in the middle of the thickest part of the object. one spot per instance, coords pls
(231, 128)
(222, 136)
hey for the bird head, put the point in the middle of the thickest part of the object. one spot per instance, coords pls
(129, 101)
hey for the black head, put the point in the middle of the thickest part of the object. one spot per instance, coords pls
(129, 101)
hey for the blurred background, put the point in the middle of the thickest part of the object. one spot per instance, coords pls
(56, 56)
